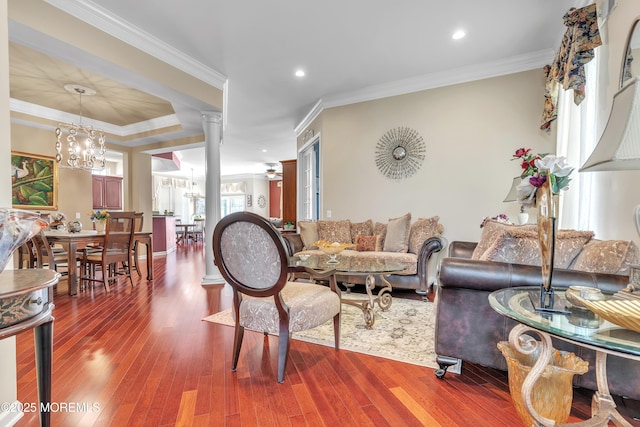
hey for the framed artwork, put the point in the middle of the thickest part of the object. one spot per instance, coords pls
(34, 181)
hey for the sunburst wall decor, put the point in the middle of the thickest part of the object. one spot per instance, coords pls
(400, 153)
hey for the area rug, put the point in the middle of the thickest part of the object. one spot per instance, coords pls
(404, 333)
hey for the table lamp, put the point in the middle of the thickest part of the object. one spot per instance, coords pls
(619, 145)
(523, 217)
(619, 149)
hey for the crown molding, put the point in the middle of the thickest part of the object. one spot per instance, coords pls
(311, 116)
(64, 117)
(119, 28)
(486, 70)
(454, 76)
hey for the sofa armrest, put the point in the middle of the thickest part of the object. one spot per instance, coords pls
(490, 276)
(428, 262)
(461, 249)
(294, 242)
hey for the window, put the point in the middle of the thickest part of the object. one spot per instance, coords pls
(576, 139)
(231, 204)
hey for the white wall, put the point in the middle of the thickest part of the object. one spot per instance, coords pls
(255, 186)
(616, 192)
(8, 390)
(471, 131)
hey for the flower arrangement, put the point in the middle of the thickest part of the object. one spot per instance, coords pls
(500, 218)
(98, 215)
(536, 170)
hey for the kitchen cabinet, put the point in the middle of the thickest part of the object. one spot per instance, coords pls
(107, 192)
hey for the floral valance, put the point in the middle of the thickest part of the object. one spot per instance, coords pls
(579, 41)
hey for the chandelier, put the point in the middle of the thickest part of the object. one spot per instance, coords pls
(83, 145)
(192, 194)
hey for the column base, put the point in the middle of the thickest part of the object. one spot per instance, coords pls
(212, 280)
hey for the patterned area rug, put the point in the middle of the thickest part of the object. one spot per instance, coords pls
(404, 333)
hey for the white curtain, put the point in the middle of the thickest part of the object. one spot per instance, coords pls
(576, 139)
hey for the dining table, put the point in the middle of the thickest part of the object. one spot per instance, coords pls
(183, 235)
(81, 239)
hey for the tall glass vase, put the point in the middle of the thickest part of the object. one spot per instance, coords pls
(547, 213)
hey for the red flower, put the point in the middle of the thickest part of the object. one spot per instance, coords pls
(521, 152)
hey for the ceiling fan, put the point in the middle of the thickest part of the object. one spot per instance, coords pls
(271, 171)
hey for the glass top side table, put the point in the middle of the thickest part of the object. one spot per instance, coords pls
(579, 327)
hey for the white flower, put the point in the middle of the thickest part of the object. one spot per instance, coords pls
(556, 165)
(526, 191)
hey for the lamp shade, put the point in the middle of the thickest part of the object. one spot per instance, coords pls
(513, 193)
(619, 145)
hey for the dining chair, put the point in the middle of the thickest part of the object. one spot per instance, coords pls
(197, 232)
(180, 232)
(48, 256)
(117, 249)
(139, 220)
(254, 261)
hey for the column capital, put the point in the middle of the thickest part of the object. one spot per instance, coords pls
(211, 117)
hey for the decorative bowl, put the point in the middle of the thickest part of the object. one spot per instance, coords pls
(16, 227)
(332, 248)
(74, 226)
(625, 313)
(576, 294)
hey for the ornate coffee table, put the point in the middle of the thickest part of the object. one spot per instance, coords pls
(578, 328)
(348, 266)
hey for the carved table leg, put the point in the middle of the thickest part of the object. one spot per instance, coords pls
(383, 299)
(603, 408)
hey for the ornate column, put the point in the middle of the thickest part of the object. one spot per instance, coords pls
(212, 125)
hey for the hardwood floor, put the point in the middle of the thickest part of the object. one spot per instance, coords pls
(143, 357)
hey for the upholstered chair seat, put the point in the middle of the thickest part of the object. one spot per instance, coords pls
(309, 305)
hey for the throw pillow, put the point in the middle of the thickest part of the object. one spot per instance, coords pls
(367, 243)
(519, 246)
(335, 231)
(361, 229)
(607, 256)
(397, 237)
(380, 229)
(421, 230)
(490, 232)
(308, 233)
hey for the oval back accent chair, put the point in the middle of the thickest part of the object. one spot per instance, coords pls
(253, 259)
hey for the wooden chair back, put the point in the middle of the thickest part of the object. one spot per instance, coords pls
(139, 221)
(118, 239)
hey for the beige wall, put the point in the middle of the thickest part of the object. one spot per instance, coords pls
(471, 131)
(74, 187)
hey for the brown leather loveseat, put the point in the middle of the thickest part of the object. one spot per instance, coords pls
(468, 329)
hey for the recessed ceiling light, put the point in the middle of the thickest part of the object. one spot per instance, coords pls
(299, 73)
(264, 150)
(458, 35)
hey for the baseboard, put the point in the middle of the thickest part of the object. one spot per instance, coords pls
(10, 418)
